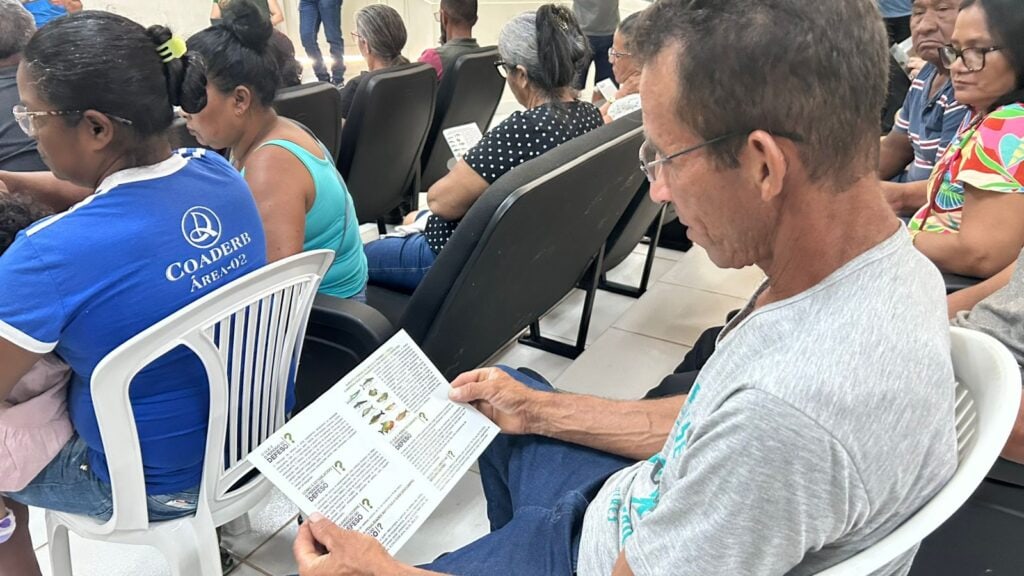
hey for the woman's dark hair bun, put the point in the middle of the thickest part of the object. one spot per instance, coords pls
(561, 46)
(174, 69)
(245, 21)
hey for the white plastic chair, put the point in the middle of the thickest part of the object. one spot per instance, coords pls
(248, 335)
(987, 400)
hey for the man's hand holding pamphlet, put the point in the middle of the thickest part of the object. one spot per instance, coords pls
(378, 451)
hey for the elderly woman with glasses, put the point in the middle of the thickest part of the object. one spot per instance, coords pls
(973, 223)
(380, 35)
(540, 52)
(626, 69)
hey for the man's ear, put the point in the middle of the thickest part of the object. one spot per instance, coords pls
(763, 161)
(97, 129)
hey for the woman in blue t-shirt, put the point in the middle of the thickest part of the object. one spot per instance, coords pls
(122, 258)
(302, 199)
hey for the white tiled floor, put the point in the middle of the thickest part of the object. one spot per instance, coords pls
(632, 345)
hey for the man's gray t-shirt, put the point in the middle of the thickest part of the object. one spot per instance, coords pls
(1000, 315)
(820, 424)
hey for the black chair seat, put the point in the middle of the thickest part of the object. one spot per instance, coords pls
(340, 335)
(390, 303)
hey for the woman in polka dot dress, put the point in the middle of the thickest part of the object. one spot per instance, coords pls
(540, 52)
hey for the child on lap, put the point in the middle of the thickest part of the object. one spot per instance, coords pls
(34, 423)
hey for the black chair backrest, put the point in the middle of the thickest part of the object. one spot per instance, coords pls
(469, 92)
(316, 106)
(631, 228)
(523, 245)
(383, 136)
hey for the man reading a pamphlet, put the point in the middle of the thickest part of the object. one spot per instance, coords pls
(825, 417)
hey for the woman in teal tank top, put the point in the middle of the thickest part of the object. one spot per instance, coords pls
(302, 199)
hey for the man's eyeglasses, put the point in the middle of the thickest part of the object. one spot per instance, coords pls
(650, 163)
(437, 16)
(613, 54)
(25, 121)
(503, 68)
(974, 58)
(356, 36)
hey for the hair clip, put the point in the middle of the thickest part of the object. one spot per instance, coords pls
(172, 49)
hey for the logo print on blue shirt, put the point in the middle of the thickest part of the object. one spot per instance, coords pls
(201, 227)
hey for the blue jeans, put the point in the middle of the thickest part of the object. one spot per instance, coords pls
(311, 14)
(537, 491)
(399, 263)
(67, 484)
(599, 46)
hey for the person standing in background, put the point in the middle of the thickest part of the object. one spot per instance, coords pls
(598, 19)
(312, 13)
(896, 14)
(269, 8)
(45, 10)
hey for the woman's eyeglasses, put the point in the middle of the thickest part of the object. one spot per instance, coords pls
(973, 58)
(503, 68)
(25, 119)
(614, 55)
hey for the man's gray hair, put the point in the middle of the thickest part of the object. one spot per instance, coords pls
(16, 28)
(812, 69)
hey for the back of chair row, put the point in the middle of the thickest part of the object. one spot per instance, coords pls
(524, 244)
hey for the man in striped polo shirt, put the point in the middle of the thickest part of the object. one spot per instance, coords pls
(930, 116)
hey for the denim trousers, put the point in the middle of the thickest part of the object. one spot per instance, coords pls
(537, 492)
(312, 13)
(599, 46)
(399, 263)
(67, 484)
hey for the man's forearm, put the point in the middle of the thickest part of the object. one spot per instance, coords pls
(633, 429)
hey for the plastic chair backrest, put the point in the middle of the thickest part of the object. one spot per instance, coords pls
(988, 394)
(316, 106)
(383, 136)
(469, 92)
(248, 336)
(524, 245)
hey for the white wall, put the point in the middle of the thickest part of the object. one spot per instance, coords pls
(186, 17)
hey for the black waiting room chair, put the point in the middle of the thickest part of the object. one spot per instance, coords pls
(317, 106)
(469, 92)
(382, 138)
